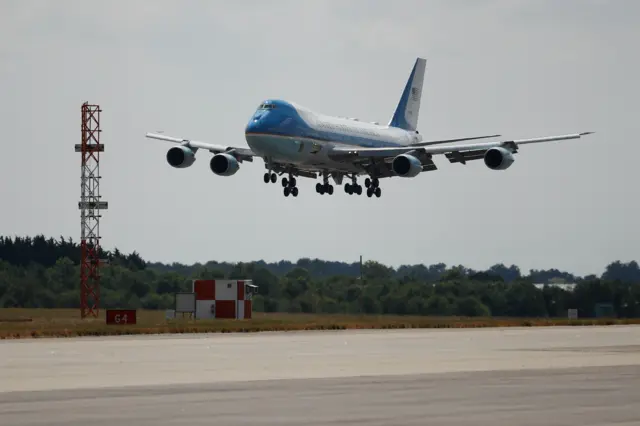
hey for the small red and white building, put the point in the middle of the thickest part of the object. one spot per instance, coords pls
(228, 299)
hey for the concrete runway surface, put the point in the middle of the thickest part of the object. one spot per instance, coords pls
(534, 376)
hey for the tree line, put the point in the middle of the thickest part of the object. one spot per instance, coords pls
(40, 272)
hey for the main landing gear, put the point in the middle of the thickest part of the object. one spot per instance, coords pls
(373, 187)
(289, 186)
(353, 187)
(325, 187)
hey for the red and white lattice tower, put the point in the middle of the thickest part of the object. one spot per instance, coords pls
(90, 205)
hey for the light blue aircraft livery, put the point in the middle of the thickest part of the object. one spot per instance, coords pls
(295, 141)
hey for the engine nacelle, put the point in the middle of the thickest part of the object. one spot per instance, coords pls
(224, 165)
(498, 158)
(180, 157)
(405, 165)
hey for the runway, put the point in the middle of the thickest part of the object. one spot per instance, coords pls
(547, 376)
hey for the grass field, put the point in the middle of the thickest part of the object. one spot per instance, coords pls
(26, 323)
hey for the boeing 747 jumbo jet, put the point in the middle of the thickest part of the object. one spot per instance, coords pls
(297, 141)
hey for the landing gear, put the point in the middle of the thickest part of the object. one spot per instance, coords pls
(270, 177)
(290, 190)
(289, 186)
(368, 182)
(373, 187)
(326, 187)
(353, 187)
(289, 182)
(377, 191)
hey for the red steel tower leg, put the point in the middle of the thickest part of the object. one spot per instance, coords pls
(90, 205)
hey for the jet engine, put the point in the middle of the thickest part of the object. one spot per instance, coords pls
(498, 158)
(180, 157)
(405, 165)
(224, 165)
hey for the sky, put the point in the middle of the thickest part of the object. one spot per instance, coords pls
(198, 69)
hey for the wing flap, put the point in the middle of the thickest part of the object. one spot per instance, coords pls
(464, 156)
(429, 165)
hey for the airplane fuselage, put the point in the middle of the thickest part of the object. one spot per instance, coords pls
(282, 132)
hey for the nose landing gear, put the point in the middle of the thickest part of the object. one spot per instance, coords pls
(270, 177)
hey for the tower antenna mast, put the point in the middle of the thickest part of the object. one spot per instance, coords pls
(90, 205)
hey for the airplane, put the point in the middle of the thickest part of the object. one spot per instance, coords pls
(294, 140)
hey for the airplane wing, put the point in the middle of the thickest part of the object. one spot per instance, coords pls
(454, 153)
(242, 154)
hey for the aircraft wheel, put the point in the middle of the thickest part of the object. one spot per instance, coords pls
(369, 192)
(285, 182)
(287, 191)
(266, 178)
(292, 181)
(348, 189)
(319, 188)
(357, 190)
(274, 178)
(294, 191)
(367, 182)
(378, 192)
(329, 189)
(375, 182)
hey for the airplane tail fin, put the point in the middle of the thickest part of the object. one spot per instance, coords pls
(408, 109)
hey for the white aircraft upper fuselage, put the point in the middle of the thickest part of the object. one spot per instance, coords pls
(297, 141)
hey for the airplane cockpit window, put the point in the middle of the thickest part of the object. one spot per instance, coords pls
(266, 106)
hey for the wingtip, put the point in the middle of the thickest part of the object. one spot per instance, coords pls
(586, 133)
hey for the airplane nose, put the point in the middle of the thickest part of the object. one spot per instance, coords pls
(256, 124)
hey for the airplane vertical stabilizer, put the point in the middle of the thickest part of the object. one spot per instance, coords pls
(408, 109)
